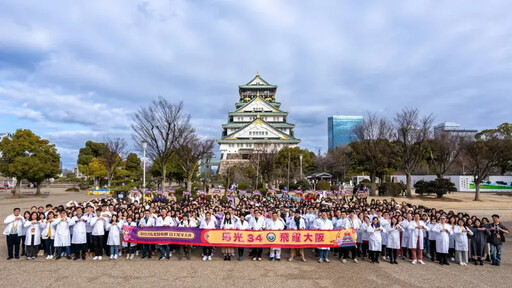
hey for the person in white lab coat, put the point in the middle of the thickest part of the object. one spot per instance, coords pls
(207, 223)
(432, 238)
(33, 235)
(114, 227)
(296, 222)
(375, 238)
(62, 234)
(323, 223)
(275, 224)
(79, 238)
(352, 222)
(129, 247)
(165, 220)
(443, 230)
(417, 229)
(405, 236)
(13, 232)
(461, 232)
(241, 224)
(228, 223)
(98, 224)
(257, 223)
(393, 245)
(48, 234)
(146, 221)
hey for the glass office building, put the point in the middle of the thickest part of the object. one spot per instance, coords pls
(340, 129)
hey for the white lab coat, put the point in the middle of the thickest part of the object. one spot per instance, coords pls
(443, 238)
(207, 224)
(33, 229)
(10, 221)
(340, 223)
(167, 221)
(48, 228)
(375, 239)
(275, 225)
(79, 229)
(384, 224)
(461, 238)
(257, 223)
(452, 238)
(405, 234)
(98, 226)
(414, 233)
(62, 233)
(431, 234)
(114, 234)
(242, 225)
(322, 224)
(228, 225)
(293, 226)
(310, 220)
(393, 236)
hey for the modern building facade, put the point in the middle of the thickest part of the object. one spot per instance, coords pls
(256, 124)
(340, 129)
(453, 129)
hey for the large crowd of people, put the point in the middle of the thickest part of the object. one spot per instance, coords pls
(386, 230)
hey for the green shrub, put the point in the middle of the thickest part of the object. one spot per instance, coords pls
(391, 189)
(438, 187)
(323, 185)
(243, 185)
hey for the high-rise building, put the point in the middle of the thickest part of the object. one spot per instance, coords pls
(453, 129)
(340, 129)
(256, 124)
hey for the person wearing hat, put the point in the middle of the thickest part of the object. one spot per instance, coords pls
(497, 238)
(443, 230)
(297, 223)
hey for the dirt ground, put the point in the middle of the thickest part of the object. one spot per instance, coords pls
(217, 273)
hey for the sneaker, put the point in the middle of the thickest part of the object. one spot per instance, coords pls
(204, 258)
(461, 264)
(95, 258)
(111, 257)
(277, 259)
(28, 258)
(100, 257)
(51, 256)
(327, 260)
(131, 256)
(304, 259)
(127, 256)
(271, 258)
(240, 258)
(115, 257)
(290, 259)
(452, 259)
(421, 262)
(320, 260)
(254, 259)
(343, 260)
(414, 262)
(259, 259)
(209, 258)
(356, 261)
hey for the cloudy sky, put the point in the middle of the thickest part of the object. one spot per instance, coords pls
(74, 71)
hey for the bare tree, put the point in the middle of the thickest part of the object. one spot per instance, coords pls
(484, 156)
(373, 134)
(412, 131)
(193, 154)
(443, 152)
(113, 155)
(165, 127)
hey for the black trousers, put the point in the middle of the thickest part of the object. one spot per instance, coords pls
(79, 248)
(207, 250)
(258, 252)
(98, 245)
(374, 255)
(392, 253)
(240, 251)
(365, 249)
(13, 245)
(344, 252)
(433, 250)
(443, 258)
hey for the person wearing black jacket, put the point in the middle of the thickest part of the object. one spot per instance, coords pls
(497, 238)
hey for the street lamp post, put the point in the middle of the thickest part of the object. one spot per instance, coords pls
(300, 158)
(144, 146)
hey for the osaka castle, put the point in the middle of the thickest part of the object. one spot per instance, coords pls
(257, 125)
